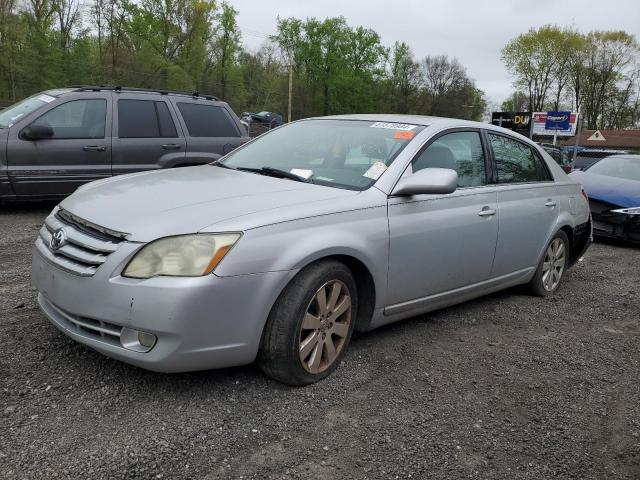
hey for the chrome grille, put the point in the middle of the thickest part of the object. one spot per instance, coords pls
(85, 246)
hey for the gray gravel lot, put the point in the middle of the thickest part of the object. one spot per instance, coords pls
(507, 387)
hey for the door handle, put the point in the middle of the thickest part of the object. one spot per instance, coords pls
(94, 148)
(487, 212)
(171, 146)
(551, 203)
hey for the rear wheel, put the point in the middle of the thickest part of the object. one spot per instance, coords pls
(310, 325)
(552, 267)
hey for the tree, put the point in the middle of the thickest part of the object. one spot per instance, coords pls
(226, 45)
(535, 58)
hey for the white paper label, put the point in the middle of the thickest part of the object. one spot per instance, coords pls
(375, 171)
(394, 126)
(46, 98)
(301, 172)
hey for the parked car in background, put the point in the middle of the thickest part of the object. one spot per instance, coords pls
(283, 248)
(590, 156)
(560, 156)
(270, 119)
(613, 187)
(55, 141)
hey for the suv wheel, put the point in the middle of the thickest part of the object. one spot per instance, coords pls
(310, 325)
(552, 266)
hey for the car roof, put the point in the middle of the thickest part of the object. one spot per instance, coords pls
(426, 121)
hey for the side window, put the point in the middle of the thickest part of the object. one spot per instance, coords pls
(207, 120)
(459, 151)
(76, 119)
(144, 119)
(516, 162)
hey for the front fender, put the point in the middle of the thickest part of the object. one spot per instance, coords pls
(360, 234)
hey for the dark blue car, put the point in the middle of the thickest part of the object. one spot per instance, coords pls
(613, 187)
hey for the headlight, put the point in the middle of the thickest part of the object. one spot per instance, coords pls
(181, 256)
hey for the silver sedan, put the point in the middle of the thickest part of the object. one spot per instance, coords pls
(283, 248)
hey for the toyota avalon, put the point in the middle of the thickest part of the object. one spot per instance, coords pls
(280, 250)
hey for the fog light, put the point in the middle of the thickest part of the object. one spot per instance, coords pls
(146, 339)
(137, 340)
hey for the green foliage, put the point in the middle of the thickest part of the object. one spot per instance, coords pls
(197, 45)
(595, 72)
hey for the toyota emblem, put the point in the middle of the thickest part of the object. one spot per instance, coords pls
(58, 239)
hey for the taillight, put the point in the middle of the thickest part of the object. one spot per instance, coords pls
(568, 168)
(584, 194)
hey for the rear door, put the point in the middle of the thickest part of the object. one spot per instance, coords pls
(146, 136)
(442, 242)
(78, 152)
(210, 128)
(528, 204)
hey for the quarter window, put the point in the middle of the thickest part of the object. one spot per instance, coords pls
(144, 119)
(76, 119)
(516, 162)
(206, 120)
(459, 151)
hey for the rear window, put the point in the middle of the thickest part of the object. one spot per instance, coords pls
(144, 119)
(207, 120)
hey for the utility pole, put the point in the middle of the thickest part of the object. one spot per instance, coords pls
(290, 90)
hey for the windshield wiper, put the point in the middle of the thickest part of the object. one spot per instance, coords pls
(274, 172)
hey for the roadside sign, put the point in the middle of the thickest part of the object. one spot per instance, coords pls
(597, 137)
(561, 124)
(517, 121)
(557, 121)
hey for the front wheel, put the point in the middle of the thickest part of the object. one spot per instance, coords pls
(310, 325)
(552, 267)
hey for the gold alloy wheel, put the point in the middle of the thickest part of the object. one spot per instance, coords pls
(325, 326)
(553, 266)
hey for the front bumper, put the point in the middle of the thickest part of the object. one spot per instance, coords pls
(200, 323)
(617, 225)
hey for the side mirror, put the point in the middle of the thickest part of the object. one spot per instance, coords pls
(432, 181)
(37, 132)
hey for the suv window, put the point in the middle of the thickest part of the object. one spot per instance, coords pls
(76, 119)
(516, 162)
(459, 151)
(144, 119)
(207, 120)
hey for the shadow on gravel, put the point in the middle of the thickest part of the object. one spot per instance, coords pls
(615, 242)
(20, 208)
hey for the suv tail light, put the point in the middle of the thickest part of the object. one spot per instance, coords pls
(568, 168)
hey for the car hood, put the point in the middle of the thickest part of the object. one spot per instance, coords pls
(151, 205)
(617, 191)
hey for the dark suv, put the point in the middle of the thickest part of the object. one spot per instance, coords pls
(53, 142)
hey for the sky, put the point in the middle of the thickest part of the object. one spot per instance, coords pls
(472, 31)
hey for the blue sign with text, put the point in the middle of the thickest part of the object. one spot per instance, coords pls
(558, 121)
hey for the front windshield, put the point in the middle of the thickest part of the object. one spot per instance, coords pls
(620, 167)
(12, 114)
(350, 154)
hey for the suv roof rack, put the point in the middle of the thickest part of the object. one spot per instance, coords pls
(118, 88)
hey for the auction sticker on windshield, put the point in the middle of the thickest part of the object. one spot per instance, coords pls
(393, 126)
(375, 171)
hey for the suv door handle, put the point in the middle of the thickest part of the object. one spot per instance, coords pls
(94, 148)
(551, 203)
(487, 212)
(171, 146)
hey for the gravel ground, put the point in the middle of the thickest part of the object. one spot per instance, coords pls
(505, 387)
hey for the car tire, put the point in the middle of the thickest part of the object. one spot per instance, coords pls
(552, 266)
(304, 340)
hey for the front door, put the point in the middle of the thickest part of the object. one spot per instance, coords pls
(442, 242)
(78, 152)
